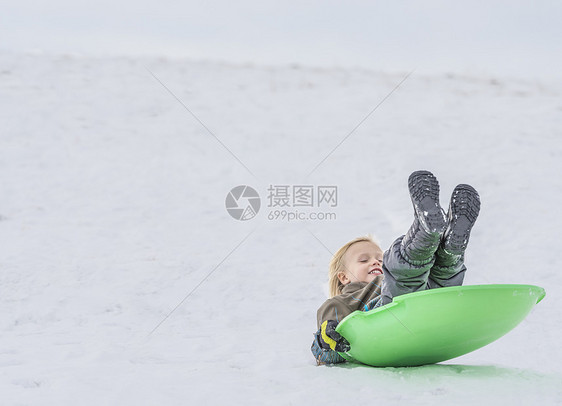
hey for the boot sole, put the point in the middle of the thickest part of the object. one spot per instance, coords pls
(463, 212)
(424, 192)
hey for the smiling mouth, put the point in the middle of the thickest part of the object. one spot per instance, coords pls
(376, 271)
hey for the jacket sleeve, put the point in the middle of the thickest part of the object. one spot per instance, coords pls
(328, 311)
(322, 355)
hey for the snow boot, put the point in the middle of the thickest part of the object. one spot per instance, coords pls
(463, 212)
(408, 261)
(449, 269)
(422, 239)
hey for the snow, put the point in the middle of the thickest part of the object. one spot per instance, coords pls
(124, 280)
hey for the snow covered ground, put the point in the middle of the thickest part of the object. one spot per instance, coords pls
(125, 281)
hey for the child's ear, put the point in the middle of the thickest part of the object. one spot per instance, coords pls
(342, 276)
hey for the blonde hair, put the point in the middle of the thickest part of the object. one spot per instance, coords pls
(337, 265)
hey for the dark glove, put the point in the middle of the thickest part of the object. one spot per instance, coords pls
(330, 339)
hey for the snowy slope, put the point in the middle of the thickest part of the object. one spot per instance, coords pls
(125, 281)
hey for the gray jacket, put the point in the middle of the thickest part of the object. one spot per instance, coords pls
(355, 296)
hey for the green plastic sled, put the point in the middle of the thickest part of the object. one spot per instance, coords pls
(436, 325)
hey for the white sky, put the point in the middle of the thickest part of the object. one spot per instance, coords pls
(516, 38)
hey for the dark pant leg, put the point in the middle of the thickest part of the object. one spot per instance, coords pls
(448, 270)
(400, 275)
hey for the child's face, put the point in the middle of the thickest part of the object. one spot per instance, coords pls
(363, 262)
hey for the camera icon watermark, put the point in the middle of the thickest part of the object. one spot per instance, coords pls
(243, 202)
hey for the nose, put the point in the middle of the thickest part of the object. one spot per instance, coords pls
(377, 262)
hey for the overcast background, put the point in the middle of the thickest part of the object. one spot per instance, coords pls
(507, 38)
